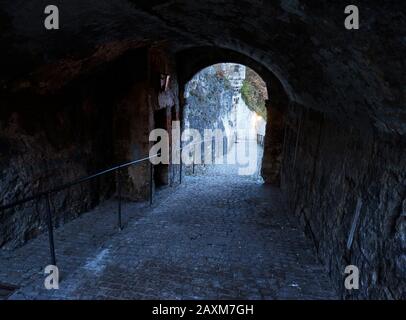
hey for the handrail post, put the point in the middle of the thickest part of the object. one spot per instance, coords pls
(50, 229)
(180, 162)
(193, 164)
(151, 178)
(119, 200)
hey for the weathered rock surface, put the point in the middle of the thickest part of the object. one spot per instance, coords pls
(63, 93)
(320, 63)
(209, 100)
(328, 169)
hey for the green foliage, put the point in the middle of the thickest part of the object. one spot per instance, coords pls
(252, 97)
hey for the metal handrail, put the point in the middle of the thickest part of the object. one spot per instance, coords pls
(260, 139)
(72, 183)
(47, 194)
(87, 178)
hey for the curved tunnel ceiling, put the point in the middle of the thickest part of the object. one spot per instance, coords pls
(193, 60)
(345, 74)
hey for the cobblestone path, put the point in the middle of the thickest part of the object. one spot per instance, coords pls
(218, 236)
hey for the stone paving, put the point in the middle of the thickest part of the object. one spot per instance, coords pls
(216, 236)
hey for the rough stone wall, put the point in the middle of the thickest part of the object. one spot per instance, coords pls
(45, 142)
(162, 62)
(132, 126)
(328, 169)
(273, 144)
(71, 129)
(209, 100)
(348, 75)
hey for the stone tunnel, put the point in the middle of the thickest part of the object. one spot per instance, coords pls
(83, 98)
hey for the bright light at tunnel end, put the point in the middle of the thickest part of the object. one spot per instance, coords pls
(216, 147)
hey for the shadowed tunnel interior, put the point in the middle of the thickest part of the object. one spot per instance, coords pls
(84, 98)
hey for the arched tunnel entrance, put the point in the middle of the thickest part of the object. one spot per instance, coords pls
(191, 61)
(226, 103)
(203, 222)
(77, 186)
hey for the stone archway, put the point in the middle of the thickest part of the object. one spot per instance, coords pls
(191, 61)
